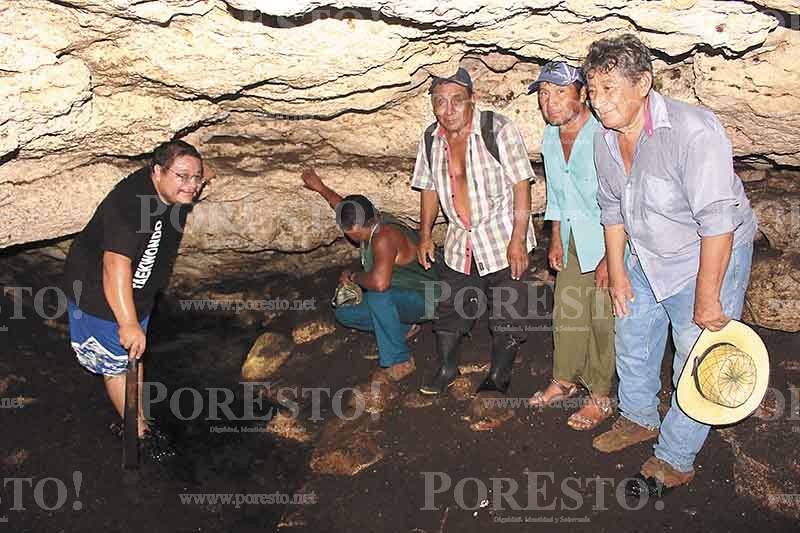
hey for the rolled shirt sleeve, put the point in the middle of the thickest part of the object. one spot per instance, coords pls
(423, 179)
(681, 188)
(711, 185)
(513, 154)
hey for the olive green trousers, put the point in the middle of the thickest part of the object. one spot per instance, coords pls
(583, 329)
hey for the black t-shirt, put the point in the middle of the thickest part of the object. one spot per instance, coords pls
(131, 221)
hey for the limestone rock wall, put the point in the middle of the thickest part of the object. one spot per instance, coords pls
(265, 87)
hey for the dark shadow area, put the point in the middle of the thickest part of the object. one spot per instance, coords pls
(790, 21)
(330, 12)
(66, 430)
(10, 156)
(754, 161)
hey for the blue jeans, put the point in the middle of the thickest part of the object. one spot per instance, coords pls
(390, 315)
(640, 342)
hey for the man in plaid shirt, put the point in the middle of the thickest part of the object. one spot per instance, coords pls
(485, 195)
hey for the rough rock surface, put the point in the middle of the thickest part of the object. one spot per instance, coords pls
(772, 294)
(756, 97)
(790, 6)
(311, 331)
(776, 203)
(346, 448)
(264, 88)
(268, 86)
(266, 356)
(288, 427)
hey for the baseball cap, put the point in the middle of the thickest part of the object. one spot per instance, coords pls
(559, 73)
(461, 77)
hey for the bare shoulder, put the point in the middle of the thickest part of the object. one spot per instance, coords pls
(388, 235)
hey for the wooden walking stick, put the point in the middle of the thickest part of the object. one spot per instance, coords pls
(130, 448)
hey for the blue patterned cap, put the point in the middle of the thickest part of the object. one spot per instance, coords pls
(559, 73)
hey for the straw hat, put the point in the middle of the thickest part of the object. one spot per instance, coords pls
(725, 376)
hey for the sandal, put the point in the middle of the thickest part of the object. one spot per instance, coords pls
(591, 415)
(563, 392)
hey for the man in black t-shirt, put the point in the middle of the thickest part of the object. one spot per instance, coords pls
(122, 258)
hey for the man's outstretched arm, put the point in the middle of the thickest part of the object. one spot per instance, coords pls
(314, 183)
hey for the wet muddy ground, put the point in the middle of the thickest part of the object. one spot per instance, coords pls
(62, 424)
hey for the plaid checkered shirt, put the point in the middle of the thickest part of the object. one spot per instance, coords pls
(491, 196)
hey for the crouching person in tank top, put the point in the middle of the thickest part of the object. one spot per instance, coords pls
(394, 284)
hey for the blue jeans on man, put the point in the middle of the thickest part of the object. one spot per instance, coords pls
(640, 341)
(390, 315)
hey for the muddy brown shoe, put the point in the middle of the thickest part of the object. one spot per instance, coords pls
(622, 434)
(397, 372)
(665, 472)
(656, 479)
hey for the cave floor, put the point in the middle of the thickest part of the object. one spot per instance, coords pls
(63, 428)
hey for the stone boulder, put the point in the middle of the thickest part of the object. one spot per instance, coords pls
(312, 330)
(268, 353)
(346, 448)
(777, 207)
(771, 299)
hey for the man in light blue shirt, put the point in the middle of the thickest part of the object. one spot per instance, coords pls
(583, 325)
(667, 188)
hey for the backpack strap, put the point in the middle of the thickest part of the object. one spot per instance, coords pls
(429, 131)
(487, 132)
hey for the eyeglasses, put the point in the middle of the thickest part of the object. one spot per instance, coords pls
(195, 180)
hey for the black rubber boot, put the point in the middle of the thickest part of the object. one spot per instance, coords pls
(504, 349)
(447, 347)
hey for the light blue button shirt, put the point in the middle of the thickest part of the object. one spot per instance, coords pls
(572, 193)
(681, 188)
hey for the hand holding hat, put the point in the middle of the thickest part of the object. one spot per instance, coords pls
(725, 376)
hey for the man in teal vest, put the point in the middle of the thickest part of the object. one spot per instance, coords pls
(583, 325)
(395, 296)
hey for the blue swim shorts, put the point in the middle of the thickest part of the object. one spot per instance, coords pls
(96, 342)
